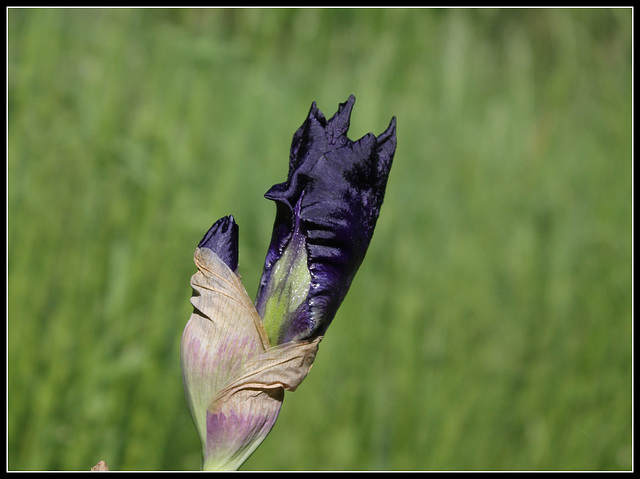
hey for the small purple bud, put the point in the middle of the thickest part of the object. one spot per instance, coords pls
(222, 239)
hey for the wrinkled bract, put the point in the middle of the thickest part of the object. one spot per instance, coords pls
(233, 379)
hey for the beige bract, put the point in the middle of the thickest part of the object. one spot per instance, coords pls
(233, 378)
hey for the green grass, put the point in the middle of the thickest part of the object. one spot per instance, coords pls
(490, 324)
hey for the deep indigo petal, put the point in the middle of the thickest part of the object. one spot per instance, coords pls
(332, 198)
(338, 125)
(222, 239)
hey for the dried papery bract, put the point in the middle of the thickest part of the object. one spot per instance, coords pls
(233, 379)
(101, 466)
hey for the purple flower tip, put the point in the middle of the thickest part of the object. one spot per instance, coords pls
(222, 239)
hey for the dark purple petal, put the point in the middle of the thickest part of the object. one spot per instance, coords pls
(331, 199)
(222, 239)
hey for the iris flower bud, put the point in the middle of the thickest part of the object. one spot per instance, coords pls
(238, 359)
(326, 213)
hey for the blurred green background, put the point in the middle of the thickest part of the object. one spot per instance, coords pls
(490, 324)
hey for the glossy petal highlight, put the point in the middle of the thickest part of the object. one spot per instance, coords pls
(329, 206)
